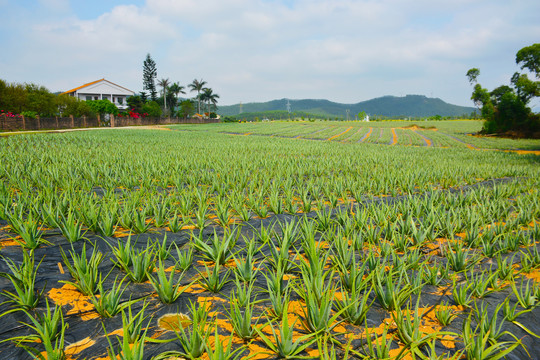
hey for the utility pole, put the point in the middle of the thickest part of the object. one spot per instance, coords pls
(347, 112)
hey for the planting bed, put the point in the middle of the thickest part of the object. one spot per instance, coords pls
(146, 244)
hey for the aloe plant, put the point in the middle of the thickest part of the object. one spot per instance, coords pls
(28, 229)
(354, 304)
(211, 280)
(478, 346)
(185, 257)
(220, 351)
(390, 294)
(142, 263)
(70, 227)
(241, 318)
(462, 293)
(444, 314)
(378, 348)
(49, 330)
(526, 294)
(219, 250)
(166, 288)
(408, 324)
(108, 303)
(84, 271)
(23, 280)
(193, 340)
(284, 345)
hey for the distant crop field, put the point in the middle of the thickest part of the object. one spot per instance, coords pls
(380, 240)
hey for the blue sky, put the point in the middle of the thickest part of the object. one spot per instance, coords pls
(258, 50)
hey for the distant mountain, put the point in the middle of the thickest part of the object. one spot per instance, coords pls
(390, 106)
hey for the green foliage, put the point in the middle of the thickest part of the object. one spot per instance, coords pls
(135, 103)
(29, 97)
(29, 114)
(149, 76)
(505, 108)
(69, 105)
(187, 108)
(152, 108)
(102, 107)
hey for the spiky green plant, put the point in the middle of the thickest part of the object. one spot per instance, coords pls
(70, 227)
(167, 289)
(478, 346)
(193, 339)
(219, 250)
(142, 263)
(284, 345)
(185, 257)
(108, 303)
(211, 280)
(49, 330)
(84, 271)
(241, 318)
(444, 314)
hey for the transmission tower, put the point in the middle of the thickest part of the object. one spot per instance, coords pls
(348, 112)
(241, 107)
(288, 106)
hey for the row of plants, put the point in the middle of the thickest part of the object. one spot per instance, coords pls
(314, 250)
(343, 253)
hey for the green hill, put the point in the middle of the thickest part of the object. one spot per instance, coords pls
(387, 106)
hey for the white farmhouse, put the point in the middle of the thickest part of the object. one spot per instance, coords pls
(102, 90)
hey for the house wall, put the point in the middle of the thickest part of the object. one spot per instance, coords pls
(106, 90)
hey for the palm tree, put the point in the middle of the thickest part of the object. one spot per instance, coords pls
(210, 97)
(176, 89)
(197, 85)
(164, 83)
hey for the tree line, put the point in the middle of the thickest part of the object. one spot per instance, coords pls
(506, 108)
(31, 100)
(169, 99)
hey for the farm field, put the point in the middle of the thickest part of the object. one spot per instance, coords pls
(380, 240)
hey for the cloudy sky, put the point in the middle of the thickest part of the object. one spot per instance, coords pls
(258, 50)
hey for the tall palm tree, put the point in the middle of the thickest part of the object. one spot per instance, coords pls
(210, 97)
(164, 83)
(198, 86)
(176, 89)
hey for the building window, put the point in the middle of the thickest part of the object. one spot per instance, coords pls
(88, 97)
(113, 99)
(95, 97)
(121, 101)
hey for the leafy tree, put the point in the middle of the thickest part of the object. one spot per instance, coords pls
(197, 85)
(40, 100)
(69, 105)
(152, 108)
(186, 109)
(529, 57)
(506, 107)
(102, 107)
(12, 97)
(361, 115)
(135, 103)
(149, 75)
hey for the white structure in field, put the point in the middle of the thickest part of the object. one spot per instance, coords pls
(366, 118)
(102, 90)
